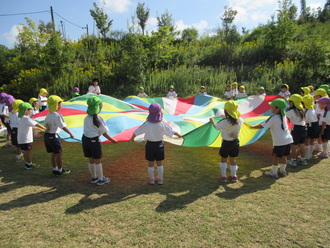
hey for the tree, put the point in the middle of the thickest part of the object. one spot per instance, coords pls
(102, 20)
(303, 9)
(227, 19)
(325, 14)
(143, 16)
(293, 12)
(189, 34)
(166, 19)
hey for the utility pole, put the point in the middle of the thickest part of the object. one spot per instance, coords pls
(52, 14)
(86, 28)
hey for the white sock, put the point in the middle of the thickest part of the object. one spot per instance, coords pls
(92, 170)
(55, 169)
(29, 163)
(99, 171)
(319, 146)
(151, 172)
(233, 169)
(60, 170)
(223, 167)
(160, 170)
(325, 147)
(283, 167)
(274, 169)
(307, 150)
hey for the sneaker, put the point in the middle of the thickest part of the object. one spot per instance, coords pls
(28, 167)
(64, 172)
(103, 181)
(322, 155)
(317, 149)
(20, 158)
(301, 162)
(94, 180)
(271, 174)
(307, 157)
(223, 179)
(292, 162)
(160, 181)
(55, 172)
(151, 181)
(9, 145)
(234, 179)
(282, 173)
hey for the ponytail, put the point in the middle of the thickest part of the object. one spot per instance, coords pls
(300, 112)
(96, 120)
(231, 119)
(282, 120)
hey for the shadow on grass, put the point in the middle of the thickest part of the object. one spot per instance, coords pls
(189, 174)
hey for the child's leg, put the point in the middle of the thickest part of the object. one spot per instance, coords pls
(92, 169)
(283, 165)
(294, 152)
(325, 147)
(28, 156)
(302, 150)
(160, 169)
(151, 169)
(58, 160)
(18, 150)
(98, 168)
(307, 148)
(53, 159)
(233, 166)
(223, 166)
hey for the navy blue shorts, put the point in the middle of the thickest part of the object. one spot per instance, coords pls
(313, 130)
(280, 151)
(299, 134)
(42, 108)
(14, 136)
(25, 147)
(155, 151)
(229, 148)
(326, 134)
(92, 147)
(52, 143)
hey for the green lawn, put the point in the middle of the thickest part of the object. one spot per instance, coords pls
(192, 209)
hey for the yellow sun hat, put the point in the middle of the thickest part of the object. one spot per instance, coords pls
(296, 99)
(321, 92)
(231, 108)
(15, 105)
(33, 99)
(235, 83)
(53, 101)
(242, 88)
(311, 88)
(42, 91)
(308, 100)
(306, 90)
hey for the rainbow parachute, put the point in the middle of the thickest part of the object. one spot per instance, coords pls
(187, 116)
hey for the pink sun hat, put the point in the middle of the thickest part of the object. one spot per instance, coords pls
(155, 113)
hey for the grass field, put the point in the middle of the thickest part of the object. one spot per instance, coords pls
(192, 209)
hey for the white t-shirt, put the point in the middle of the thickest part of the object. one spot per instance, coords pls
(143, 95)
(92, 131)
(25, 131)
(200, 93)
(326, 119)
(285, 93)
(235, 91)
(280, 137)
(312, 93)
(14, 120)
(54, 122)
(295, 118)
(310, 116)
(241, 95)
(320, 112)
(34, 112)
(40, 99)
(154, 131)
(262, 94)
(229, 132)
(95, 90)
(4, 111)
(173, 93)
(229, 94)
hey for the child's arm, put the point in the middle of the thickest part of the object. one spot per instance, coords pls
(178, 134)
(132, 138)
(258, 126)
(212, 121)
(68, 131)
(109, 137)
(39, 127)
(322, 128)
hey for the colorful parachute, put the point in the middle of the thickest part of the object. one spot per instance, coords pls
(187, 116)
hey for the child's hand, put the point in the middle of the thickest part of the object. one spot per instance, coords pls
(212, 120)
(114, 141)
(322, 132)
(71, 136)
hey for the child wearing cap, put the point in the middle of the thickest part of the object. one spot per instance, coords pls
(281, 136)
(230, 128)
(229, 95)
(34, 103)
(202, 91)
(312, 125)
(94, 127)
(319, 93)
(25, 137)
(311, 89)
(42, 99)
(142, 94)
(94, 89)
(54, 122)
(172, 93)
(75, 92)
(4, 114)
(285, 93)
(324, 103)
(296, 114)
(241, 93)
(261, 91)
(154, 130)
(234, 89)
(304, 91)
(14, 120)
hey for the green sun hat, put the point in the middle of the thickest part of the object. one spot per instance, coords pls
(296, 99)
(171, 87)
(141, 88)
(76, 94)
(261, 88)
(22, 107)
(231, 108)
(324, 86)
(280, 103)
(93, 105)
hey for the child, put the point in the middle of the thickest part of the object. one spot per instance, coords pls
(311, 88)
(172, 93)
(154, 130)
(285, 93)
(261, 91)
(296, 114)
(94, 127)
(42, 99)
(234, 89)
(75, 92)
(281, 136)
(4, 114)
(14, 120)
(202, 91)
(319, 93)
(304, 91)
(312, 125)
(142, 94)
(230, 128)
(54, 123)
(229, 94)
(324, 103)
(95, 89)
(241, 93)
(25, 137)
(34, 103)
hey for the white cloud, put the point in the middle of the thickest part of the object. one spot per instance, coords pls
(315, 6)
(257, 16)
(199, 26)
(11, 36)
(152, 21)
(242, 15)
(119, 6)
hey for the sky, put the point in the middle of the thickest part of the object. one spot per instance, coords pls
(204, 15)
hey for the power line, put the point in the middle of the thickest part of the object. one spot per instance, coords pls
(69, 21)
(25, 13)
